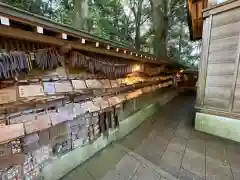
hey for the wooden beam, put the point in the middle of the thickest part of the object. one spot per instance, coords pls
(218, 112)
(34, 20)
(225, 6)
(36, 37)
(204, 60)
(235, 76)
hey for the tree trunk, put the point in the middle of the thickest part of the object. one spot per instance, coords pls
(80, 14)
(180, 40)
(160, 24)
(138, 25)
(137, 36)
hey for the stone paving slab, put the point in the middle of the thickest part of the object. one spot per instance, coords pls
(145, 163)
(166, 147)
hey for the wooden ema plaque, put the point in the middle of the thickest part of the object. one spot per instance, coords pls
(13, 160)
(8, 95)
(10, 132)
(101, 102)
(78, 84)
(106, 84)
(30, 91)
(42, 122)
(114, 100)
(94, 84)
(63, 87)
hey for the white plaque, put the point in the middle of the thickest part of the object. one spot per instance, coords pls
(5, 21)
(30, 91)
(40, 29)
(64, 35)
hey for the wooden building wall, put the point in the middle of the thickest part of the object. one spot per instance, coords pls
(219, 81)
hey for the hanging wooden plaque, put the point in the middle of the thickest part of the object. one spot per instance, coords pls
(28, 117)
(63, 87)
(106, 83)
(97, 101)
(29, 139)
(114, 83)
(10, 132)
(79, 84)
(105, 103)
(30, 91)
(94, 84)
(5, 150)
(42, 122)
(121, 81)
(15, 118)
(49, 88)
(65, 113)
(90, 107)
(54, 117)
(42, 154)
(78, 109)
(8, 95)
(9, 161)
(59, 130)
(114, 100)
(102, 102)
(121, 98)
(134, 94)
(44, 137)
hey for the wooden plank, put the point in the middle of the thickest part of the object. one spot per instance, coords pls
(235, 77)
(199, 9)
(228, 43)
(226, 56)
(221, 69)
(225, 6)
(204, 60)
(237, 93)
(219, 81)
(194, 12)
(224, 31)
(238, 80)
(236, 106)
(216, 103)
(36, 37)
(222, 93)
(218, 112)
(226, 18)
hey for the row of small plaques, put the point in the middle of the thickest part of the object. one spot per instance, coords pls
(33, 122)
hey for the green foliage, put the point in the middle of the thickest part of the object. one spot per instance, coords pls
(155, 26)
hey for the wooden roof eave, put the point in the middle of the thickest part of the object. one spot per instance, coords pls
(195, 18)
(29, 17)
(218, 8)
(36, 37)
(36, 20)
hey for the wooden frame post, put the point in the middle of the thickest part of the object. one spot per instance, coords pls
(204, 60)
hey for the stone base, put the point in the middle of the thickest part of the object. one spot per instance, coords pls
(218, 125)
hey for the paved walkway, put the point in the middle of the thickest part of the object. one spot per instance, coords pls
(165, 147)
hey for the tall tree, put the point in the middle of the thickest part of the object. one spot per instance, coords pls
(80, 14)
(140, 11)
(155, 26)
(159, 9)
(111, 21)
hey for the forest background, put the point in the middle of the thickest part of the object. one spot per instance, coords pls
(154, 26)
